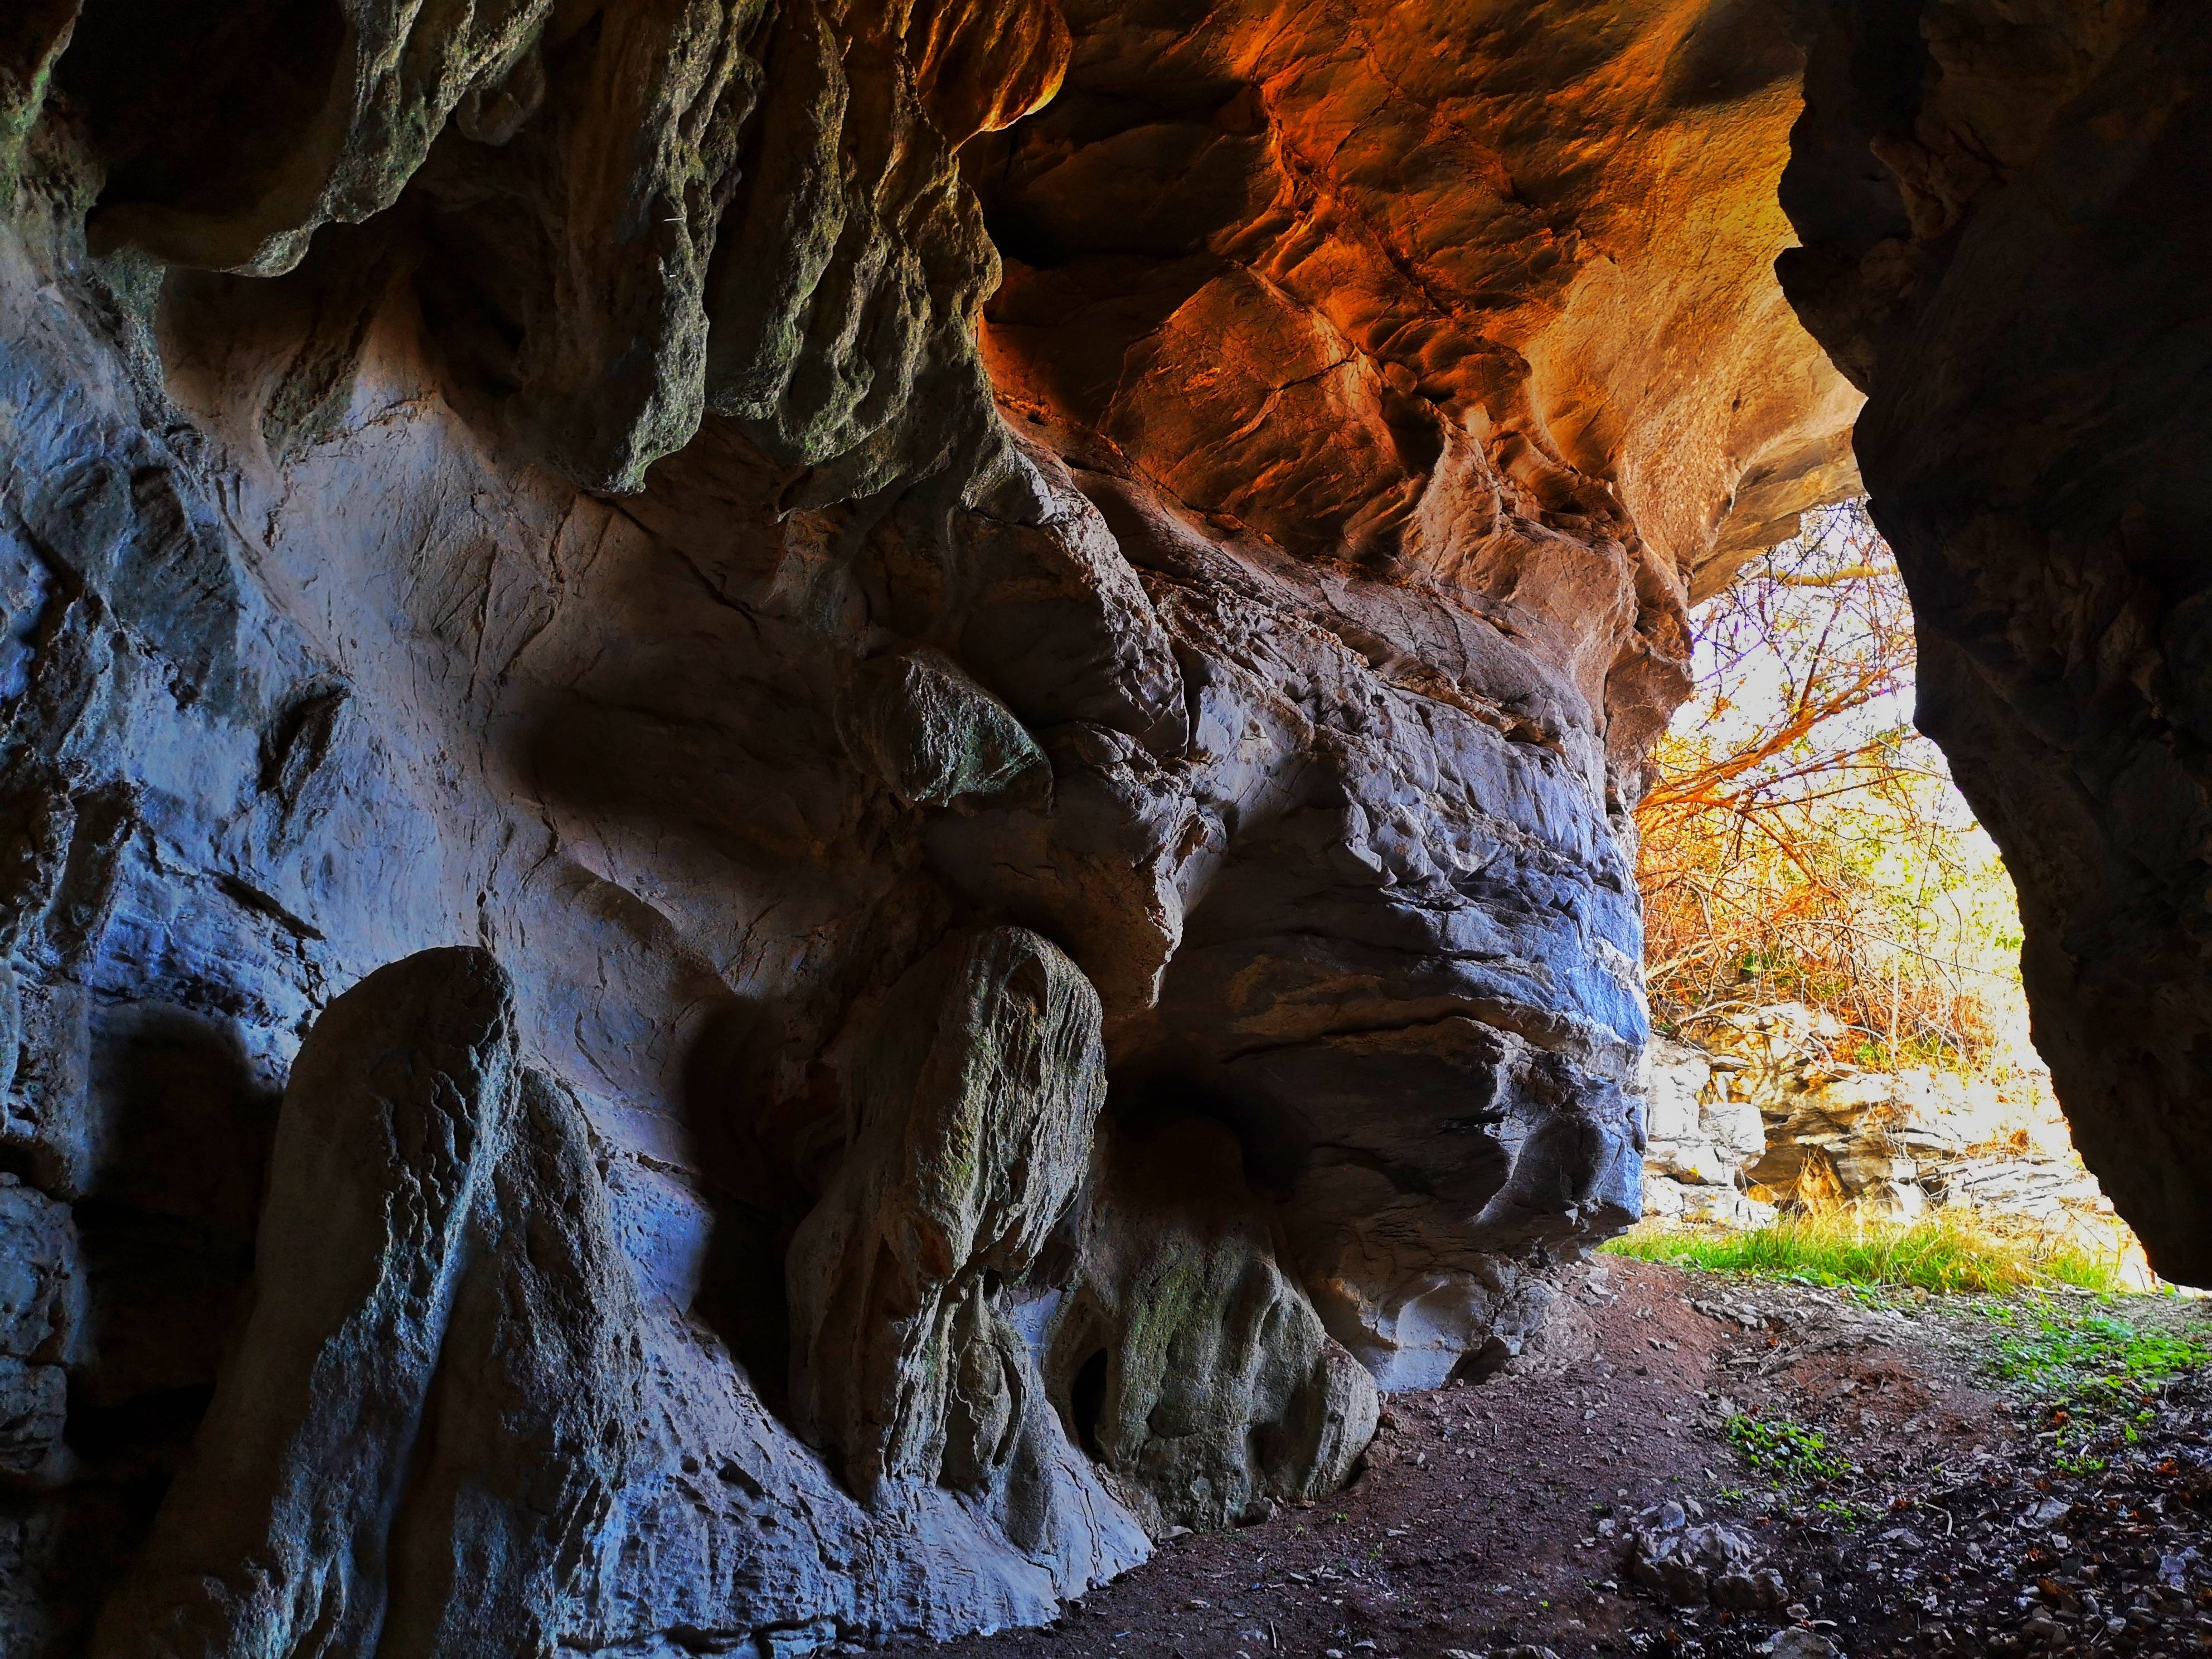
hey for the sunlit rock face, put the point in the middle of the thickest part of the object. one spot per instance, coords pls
(810, 807)
(1421, 361)
(2005, 212)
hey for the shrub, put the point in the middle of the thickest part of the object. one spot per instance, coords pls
(1800, 841)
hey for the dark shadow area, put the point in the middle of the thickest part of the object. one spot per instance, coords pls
(1275, 1141)
(181, 1123)
(1086, 1401)
(756, 1203)
(202, 108)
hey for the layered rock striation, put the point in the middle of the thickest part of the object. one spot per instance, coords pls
(1756, 1116)
(812, 807)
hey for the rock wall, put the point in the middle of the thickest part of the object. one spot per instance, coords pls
(1699, 1140)
(2004, 217)
(810, 805)
(1756, 1116)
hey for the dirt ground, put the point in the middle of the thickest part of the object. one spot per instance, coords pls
(1975, 1516)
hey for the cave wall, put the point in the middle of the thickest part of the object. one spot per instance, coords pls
(812, 808)
(2005, 222)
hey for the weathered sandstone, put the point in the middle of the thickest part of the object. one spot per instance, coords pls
(810, 806)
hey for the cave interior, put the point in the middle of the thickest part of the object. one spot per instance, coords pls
(813, 806)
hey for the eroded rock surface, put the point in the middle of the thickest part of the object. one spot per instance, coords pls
(976, 1095)
(859, 623)
(1194, 1366)
(275, 1533)
(1688, 1562)
(2003, 218)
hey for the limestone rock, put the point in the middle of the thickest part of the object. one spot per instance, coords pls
(1185, 1358)
(1689, 1563)
(1053, 617)
(368, 98)
(769, 1541)
(529, 1428)
(1694, 1204)
(41, 1298)
(45, 1125)
(973, 1101)
(2042, 1190)
(393, 1122)
(544, 1486)
(40, 1284)
(34, 1407)
(592, 224)
(1096, 864)
(1773, 1121)
(1799, 1641)
(932, 735)
(1215, 217)
(1402, 1294)
(1996, 225)
(1695, 1133)
(1763, 1118)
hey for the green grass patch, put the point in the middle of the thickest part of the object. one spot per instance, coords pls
(1941, 1252)
(2092, 1358)
(1787, 1451)
(2094, 1374)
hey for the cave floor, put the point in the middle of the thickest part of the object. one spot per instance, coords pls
(1944, 1507)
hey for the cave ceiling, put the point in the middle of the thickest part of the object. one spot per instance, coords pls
(814, 808)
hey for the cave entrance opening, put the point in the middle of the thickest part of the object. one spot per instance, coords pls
(1832, 939)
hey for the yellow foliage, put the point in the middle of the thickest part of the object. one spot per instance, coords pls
(1800, 841)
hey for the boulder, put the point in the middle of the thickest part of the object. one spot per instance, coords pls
(1184, 1354)
(1798, 1642)
(973, 1097)
(1695, 1133)
(396, 1117)
(931, 735)
(1692, 1564)
(41, 1288)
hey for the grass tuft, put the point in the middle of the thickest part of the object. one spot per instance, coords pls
(1943, 1253)
(1789, 1452)
(2090, 1359)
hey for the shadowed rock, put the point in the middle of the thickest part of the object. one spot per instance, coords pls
(1186, 1357)
(275, 1537)
(41, 1298)
(2003, 240)
(529, 1428)
(973, 1097)
(932, 735)
(423, 1433)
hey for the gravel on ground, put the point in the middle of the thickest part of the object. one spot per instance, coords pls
(1918, 1475)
